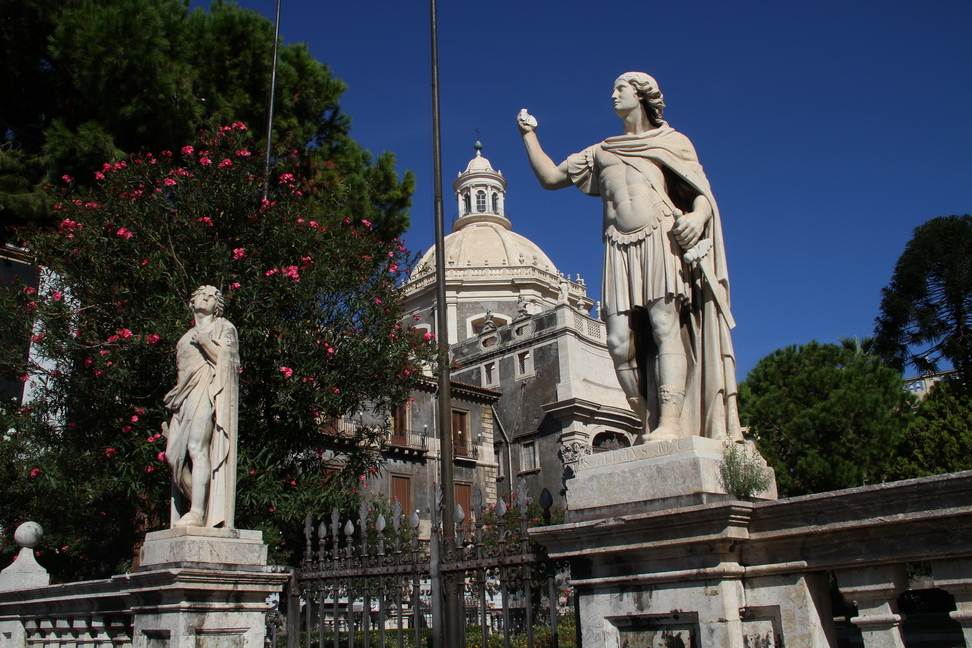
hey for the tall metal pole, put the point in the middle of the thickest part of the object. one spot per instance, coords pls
(273, 88)
(442, 330)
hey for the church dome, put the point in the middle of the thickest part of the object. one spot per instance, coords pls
(480, 243)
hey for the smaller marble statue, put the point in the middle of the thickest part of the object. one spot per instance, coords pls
(201, 434)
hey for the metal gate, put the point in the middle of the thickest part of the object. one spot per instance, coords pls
(375, 583)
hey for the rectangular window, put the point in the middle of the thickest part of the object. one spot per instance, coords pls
(464, 499)
(489, 373)
(529, 455)
(400, 430)
(498, 458)
(460, 433)
(401, 489)
(523, 365)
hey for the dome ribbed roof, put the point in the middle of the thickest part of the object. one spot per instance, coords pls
(479, 244)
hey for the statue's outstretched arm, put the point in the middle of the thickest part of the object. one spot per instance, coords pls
(549, 174)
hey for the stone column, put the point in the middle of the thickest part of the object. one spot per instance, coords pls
(875, 591)
(955, 577)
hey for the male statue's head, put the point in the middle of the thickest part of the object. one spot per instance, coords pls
(208, 290)
(647, 90)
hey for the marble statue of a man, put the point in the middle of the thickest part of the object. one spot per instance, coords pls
(201, 434)
(665, 289)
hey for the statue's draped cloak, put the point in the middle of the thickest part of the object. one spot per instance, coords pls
(207, 387)
(710, 398)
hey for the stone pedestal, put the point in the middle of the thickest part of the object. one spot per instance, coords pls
(202, 588)
(203, 547)
(650, 477)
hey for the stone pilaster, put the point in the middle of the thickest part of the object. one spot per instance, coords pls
(875, 591)
(955, 577)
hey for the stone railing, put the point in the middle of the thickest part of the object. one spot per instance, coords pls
(195, 587)
(726, 572)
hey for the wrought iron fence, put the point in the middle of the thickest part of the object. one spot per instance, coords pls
(375, 583)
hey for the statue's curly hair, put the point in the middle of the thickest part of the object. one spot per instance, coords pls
(220, 304)
(651, 97)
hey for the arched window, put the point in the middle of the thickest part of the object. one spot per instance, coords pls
(495, 203)
(465, 204)
(481, 201)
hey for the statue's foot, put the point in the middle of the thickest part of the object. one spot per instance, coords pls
(664, 433)
(641, 439)
(190, 519)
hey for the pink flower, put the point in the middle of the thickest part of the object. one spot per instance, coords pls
(149, 469)
(169, 182)
(89, 362)
(126, 429)
(238, 126)
(286, 178)
(99, 175)
(113, 338)
(291, 271)
(99, 373)
(271, 272)
(67, 178)
(35, 472)
(103, 352)
(287, 371)
(377, 301)
(25, 378)
(225, 164)
(205, 161)
(206, 220)
(145, 262)
(125, 333)
(31, 306)
(335, 390)
(124, 233)
(161, 456)
(152, 338)
(253, 471)
(37, 338)
(110, 452)
(150, 439)
(366, 223)
(135, 419)
(239, 253)
(428, 336)
(314, 224)
(243, 153)
(187, 150)
(234, 285)
(29, 290)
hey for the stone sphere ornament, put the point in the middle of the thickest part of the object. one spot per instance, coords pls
(29, 534)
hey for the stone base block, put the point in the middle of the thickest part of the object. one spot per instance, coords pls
(190, 608)
(203, 547)
(653, 476)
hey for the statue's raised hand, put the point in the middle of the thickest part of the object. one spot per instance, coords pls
(526, 121)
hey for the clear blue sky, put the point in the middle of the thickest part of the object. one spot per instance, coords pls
(828, 130)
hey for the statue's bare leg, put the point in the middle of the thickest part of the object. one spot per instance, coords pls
(200, 435)
(672, 368)
(621, 345)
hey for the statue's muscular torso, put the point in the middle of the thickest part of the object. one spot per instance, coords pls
(631, 200)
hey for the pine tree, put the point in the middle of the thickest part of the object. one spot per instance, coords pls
(824, 417)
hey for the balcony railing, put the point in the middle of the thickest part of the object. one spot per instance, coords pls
(409, 440)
